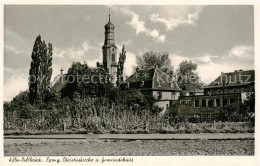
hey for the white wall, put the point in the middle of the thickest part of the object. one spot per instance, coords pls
(167, 95)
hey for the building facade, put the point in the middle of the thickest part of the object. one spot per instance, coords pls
(228, 88)
(156, 85)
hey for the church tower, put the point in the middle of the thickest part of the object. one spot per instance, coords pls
(110, 50)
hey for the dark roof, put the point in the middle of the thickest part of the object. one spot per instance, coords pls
(152, 79)
(60, 84)
(236, 78)
(109, 25)
(142, 75)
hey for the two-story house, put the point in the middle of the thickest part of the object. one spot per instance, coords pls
(155, 84)
(228, 88)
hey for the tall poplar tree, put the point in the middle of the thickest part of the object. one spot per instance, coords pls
(40, 71)
(34, 70)
(49, 66)
(120, 66)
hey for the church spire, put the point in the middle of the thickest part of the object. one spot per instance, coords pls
(109, 15)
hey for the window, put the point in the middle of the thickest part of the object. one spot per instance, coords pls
(171, 84)
(219, 91)
(234, 90)
(225, 102)
(197, 103)
(217, 102)
(182, 102)
(159, 95)
(203, 103)
(188, 101)
(167, 105)
(158, 83)
(113, 49)
(210, 103)
(113, 57)
(232, 100)
(173, 95)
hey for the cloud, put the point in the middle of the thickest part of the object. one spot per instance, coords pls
(177, 59)
(76, 53)
(175, 22)
(208, 72)
(130, 62)
(139, 25)
(16, 82)
(207, 69)
(14, 49)
(242, 51)
(126, 43)
(207, 58)
(13, 88)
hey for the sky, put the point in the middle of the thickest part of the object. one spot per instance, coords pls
(217, 38)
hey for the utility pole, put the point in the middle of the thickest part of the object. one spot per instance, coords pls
(223, 89)
(223, 93)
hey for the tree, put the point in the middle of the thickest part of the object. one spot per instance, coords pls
(34, 70)
(40, 71)
(48, 67)
(248, 107)
(120, 67)
(87, 82)
(187, 77)
(152, 59)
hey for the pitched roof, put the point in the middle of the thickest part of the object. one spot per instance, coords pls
(60, 83)
(152, 79)
(141, 75)
(236, 78)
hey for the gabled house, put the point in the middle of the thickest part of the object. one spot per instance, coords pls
(155, 84)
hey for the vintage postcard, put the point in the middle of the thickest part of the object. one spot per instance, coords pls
(133, 83)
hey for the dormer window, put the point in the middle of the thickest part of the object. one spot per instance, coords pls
(158, 83)
(171, 84)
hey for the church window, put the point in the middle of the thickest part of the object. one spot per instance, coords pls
(113, 57)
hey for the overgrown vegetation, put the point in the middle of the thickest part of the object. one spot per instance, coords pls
(127, 113)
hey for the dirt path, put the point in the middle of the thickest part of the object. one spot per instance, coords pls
(209, 136)
(101, 147)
